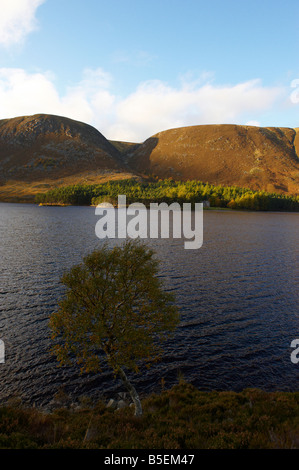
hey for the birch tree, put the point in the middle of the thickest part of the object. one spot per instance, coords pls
(115, 309)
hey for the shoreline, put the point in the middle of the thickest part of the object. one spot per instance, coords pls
(221, 209)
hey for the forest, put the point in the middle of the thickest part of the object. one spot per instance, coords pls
(168, 190)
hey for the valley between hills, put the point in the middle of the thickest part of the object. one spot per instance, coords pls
(43, 152)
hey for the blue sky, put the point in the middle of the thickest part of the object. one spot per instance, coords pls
(132, 68)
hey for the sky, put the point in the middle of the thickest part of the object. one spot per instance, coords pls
(132, 68)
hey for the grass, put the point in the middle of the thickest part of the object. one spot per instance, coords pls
(180, 418)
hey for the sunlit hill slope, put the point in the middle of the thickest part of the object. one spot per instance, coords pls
(44, 151)
(41, 152)
(246, 156)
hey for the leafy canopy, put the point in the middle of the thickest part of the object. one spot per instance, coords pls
(114, 309)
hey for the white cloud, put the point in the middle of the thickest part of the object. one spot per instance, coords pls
(89, 100)
(152, 107)
(22, 93)
(253, 123)
(17, 19)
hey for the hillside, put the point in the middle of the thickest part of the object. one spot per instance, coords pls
(254, 157)
(42, 151)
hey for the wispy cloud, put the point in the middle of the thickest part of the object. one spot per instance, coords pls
(138, 58)
(17, 19)
(154, 106)
(89, 100)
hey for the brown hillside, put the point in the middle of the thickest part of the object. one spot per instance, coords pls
(296, 141)
(40, 152)
(43, 151)
(247, 156)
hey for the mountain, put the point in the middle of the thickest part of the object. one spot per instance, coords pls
(265, 158)
(41, 151)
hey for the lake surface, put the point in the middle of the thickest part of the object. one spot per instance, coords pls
(238, 295)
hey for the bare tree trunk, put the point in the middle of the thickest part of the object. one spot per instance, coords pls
(132, 391)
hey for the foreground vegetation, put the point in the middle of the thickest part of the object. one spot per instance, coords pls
(180, 418)
(169, 191)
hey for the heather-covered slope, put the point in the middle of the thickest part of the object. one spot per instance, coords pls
(41, 151)
(255, 157)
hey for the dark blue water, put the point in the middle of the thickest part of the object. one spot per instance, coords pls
(238, 296)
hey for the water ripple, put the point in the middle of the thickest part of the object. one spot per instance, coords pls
(238, 297)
